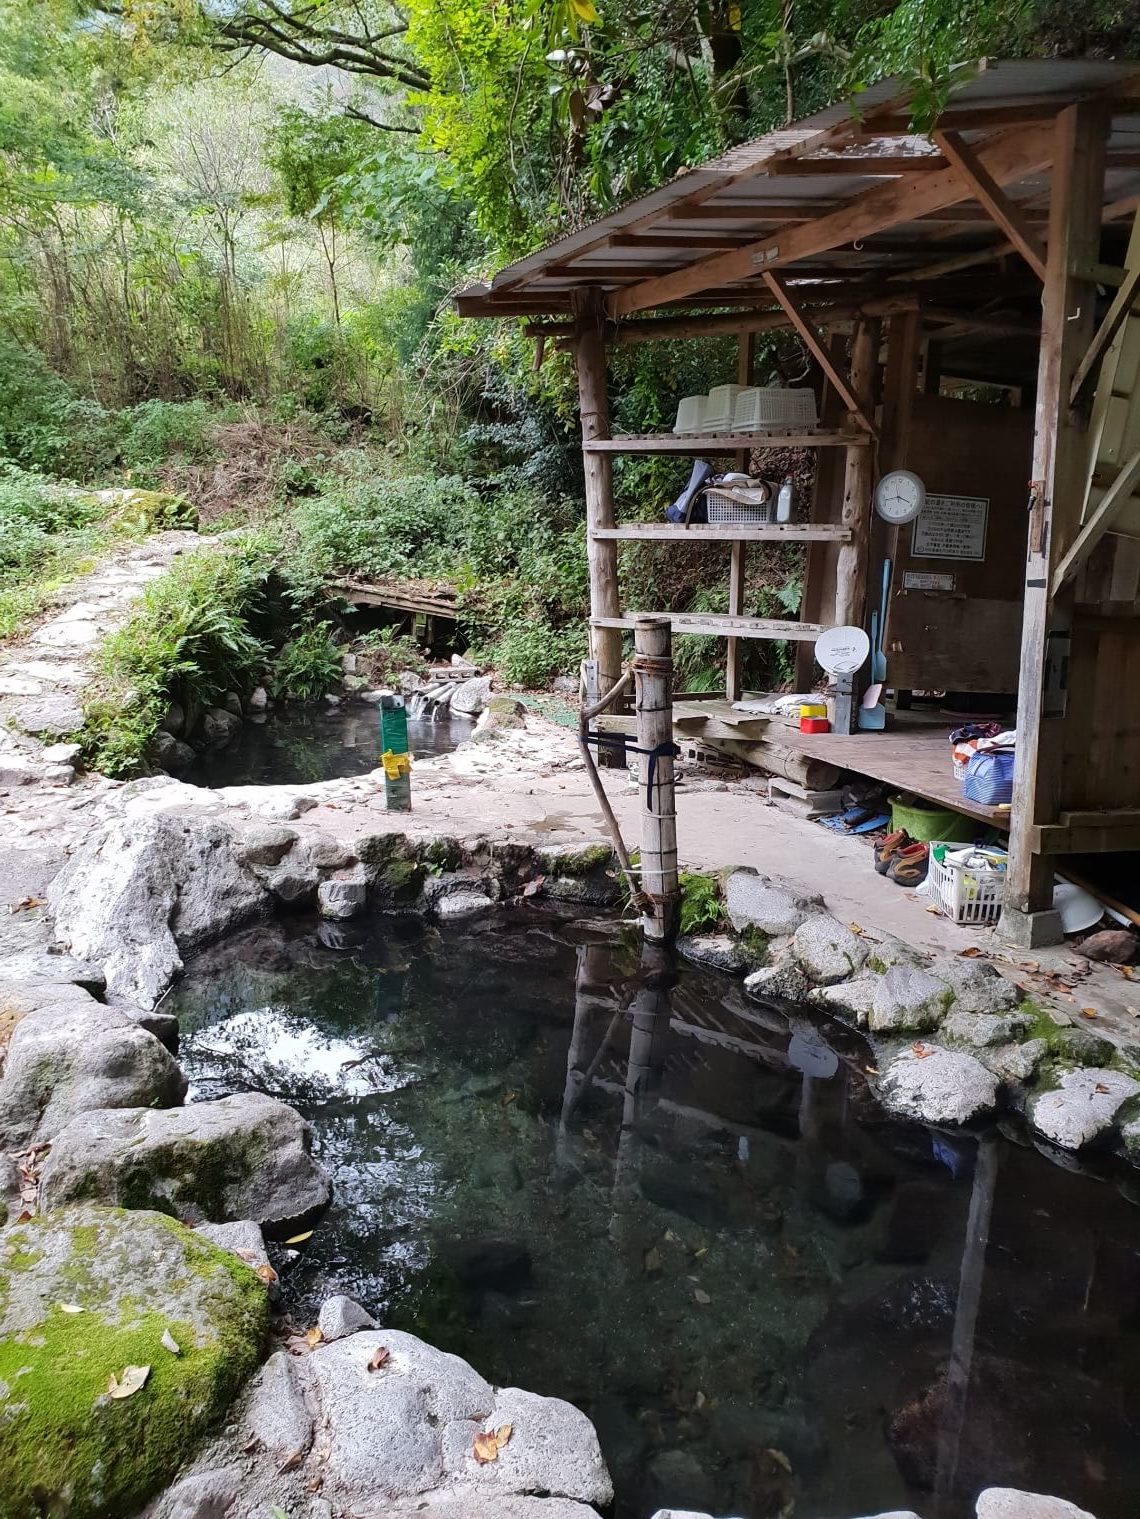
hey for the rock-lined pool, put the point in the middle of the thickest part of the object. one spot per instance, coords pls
(297, 745)
(626, 1185)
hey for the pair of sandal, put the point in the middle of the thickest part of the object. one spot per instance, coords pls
(902, 859)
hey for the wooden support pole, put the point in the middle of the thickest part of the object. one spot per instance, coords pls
(593, 402)
(734, 657)
(858, 481)
(1060, 444)
(653, 666)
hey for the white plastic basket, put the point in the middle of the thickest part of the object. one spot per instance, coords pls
(762, 407)
(967, 893)
(691, 414)
(723, 507)
(720, 408)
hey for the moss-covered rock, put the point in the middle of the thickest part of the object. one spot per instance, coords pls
(579, 862)
(1067, 1043)
(67, 1448)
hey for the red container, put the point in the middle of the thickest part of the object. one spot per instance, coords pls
(814, 725)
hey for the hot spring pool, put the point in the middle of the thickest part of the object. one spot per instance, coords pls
(627, 1185)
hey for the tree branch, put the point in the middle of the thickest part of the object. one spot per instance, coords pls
(383, 126)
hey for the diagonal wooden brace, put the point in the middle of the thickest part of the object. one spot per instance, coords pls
(992, 197)
(818, 351)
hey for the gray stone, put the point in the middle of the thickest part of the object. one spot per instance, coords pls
(715, 951)
(275, 1413)
(258, 699)
(220, 726)
(122, 1271)
(679, 1473)
(264, 844)
(850, 1000)
(463, 904)
(883, 953)
(1009, 1503)
(68, 1056)
(175, 719)
(242, 1237)
(908, 1000)
(164, 1026)
(142, 888)
(470, 1505)
(1030, 930)
(982, 1030)
(785, 982)
(294, 883)
(45, 968)
(1013, 1063)
(979, 987)
(469, 697)
(343, 898)
(328, 853)
(341, 1316)
(827, 950)
(1081, 1106)
(59, 716)
(232, 703)
(59, 775)
(245, 1157)
(15, 770)
(938, 1086)
(170, 753)
(61, 754)
(598, 889)
(204, 1495)
(769, 903)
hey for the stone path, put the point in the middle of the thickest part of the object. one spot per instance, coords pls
(43, 674)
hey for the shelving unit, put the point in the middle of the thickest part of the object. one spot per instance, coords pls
(724, 443)
(719, 626)
(724, 532)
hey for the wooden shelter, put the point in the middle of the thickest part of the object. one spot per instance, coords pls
(996, 252)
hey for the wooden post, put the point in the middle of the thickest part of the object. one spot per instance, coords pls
(653, 664)
(900, 386)
(593, 403)
(858, 481)
(1060, 446)
(734, 660)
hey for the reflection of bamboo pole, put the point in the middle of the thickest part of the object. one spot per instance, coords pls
(590, 972)
(965, 1324)
(649, 1029)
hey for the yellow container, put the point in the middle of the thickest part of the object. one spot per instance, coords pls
(813, 709)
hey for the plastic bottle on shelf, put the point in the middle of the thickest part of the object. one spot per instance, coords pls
(785, 501)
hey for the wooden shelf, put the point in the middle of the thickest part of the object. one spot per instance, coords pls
(726, 532)
(722, 443)
(719, 626)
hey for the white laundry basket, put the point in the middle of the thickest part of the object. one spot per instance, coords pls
(764, 407)
(967, 885)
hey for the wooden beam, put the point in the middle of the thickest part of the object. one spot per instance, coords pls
(725, 443)
(1122, 304)
(954, 264)
(734, 650)
(811, 338)
(858, 480)
(989, 193)
(725, 532)
(674, 239)
(1099, 523)
(886, 165)
(593, 405)
(714, 625)
(1060, 448)
(1009, 157)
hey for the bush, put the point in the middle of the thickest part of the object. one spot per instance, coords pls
(44, 425)
(531, 653)
(158, 432)
(308, 665)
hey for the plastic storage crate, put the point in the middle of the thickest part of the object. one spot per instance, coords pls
(967, 885)
(691, 414)
(720, 408)
(763, 407)
(722, 506)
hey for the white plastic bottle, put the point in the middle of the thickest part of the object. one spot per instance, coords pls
(785, 501)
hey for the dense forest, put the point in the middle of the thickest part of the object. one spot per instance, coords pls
(228, 234)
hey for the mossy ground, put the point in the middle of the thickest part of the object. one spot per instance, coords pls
(66, 1448)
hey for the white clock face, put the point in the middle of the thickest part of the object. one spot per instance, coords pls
(900, 496)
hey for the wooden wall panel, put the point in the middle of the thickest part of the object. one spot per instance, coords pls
(1102, 722)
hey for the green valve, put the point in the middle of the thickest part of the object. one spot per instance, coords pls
(394, 754)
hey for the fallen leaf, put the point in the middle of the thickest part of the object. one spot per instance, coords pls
(299, 1239)
(1100, 1087)
(651, 1260)
(379, 1358)
(701, 1296)
(670, 1236)
(532, 888)
(971, 952)
(488, 1444)
(314, 1484)
(921, 1051)
(251, 1257)
(856, 928)
(291, 1462)
(700, 1400)
(132, 1380)
(313, 1337)
(251, 1447)
(26, 903)
(507, 1098)
(170, 1343)
(266, 1273)
(780, 1459)
(871, 1070)
(25, 1217)
(70, 1308)
(1088, 1012)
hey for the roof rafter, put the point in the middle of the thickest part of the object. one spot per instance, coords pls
(989, 193)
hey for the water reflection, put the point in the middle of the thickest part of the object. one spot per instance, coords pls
(624, 1184)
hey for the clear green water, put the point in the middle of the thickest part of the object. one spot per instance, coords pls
(632, 1188)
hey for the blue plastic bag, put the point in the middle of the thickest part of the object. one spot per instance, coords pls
(989, 777)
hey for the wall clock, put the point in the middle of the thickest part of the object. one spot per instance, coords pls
(899, 496)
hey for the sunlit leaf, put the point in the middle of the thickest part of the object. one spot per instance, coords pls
(132, 1380)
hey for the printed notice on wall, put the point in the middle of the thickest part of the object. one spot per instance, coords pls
(951, 527)
(921, 580)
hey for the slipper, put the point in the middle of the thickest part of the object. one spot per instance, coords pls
(886, 851)
(910, 865)
(872, 825)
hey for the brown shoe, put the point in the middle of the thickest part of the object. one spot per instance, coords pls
(909, 866)
(886, 851)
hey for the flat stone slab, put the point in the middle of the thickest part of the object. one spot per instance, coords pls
(1009, 1503)
(938, 1086)
(769, 903)
(1082, 1106)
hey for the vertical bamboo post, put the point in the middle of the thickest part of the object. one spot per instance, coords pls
(653, 666)
(1060, 453)
(593, 402)
(858, 478)
(734, 656)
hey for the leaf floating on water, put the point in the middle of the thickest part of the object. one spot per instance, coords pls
(170, 1343)
(313, 1337)
(266, 1273)
(507, 1098)
(132, 1380)
(697, 1254)
(299, 1239)
(488, 1444)
(700, 1400)
(651, 1260)
(701, 1296)
(70, 1308)
(780, 1459)
(379, 1358)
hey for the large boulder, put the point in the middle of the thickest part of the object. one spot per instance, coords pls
(66, 1056)
(827, 950)
(908, 1000)
(1081, 1106)
(145, 887)
(767, 903)
(86, 1304)
(939, 1086)
(242, 1157)
(1010, 1503)
(384, 1424)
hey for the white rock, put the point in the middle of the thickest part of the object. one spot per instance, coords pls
(908, 1000)
(1009, 1503)
(258, 699)
(769, 903)
(852, 1000)
(242, 1236)
(61, 754)
(827, 950)
(1083, 1105)
(462, 904)
(341, 899)
(341, 1316)
(784, 981)
(939, 1087)
(716, 951)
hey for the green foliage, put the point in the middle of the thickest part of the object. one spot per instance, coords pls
(530, 654)
(387, 651)
(43, 424)
(308, 665)
(701, 907)
(159, 432)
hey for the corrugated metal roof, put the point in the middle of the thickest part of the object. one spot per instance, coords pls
(756, 190)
